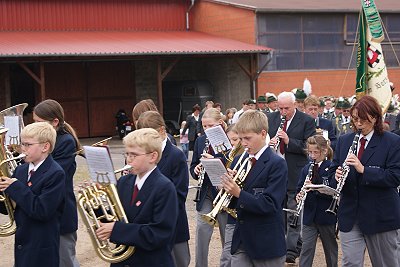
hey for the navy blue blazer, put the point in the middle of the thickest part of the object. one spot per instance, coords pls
(316, 203)
(152, 220)
(64, 155)
(173, 165)
(370, 199)
(328, 125)
(198, 150)
(259, 227)
(301, 127)
(37, 214)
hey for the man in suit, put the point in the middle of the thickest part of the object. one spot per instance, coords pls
(259, 236)
(369, 210)
(342, 119)
(323, 126)
(292, 139)
(192, 125)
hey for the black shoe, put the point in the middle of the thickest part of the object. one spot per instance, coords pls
(290, 260)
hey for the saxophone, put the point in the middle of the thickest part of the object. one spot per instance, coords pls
(276, 146)
(303, 191)
(345, 172)
(202, 173)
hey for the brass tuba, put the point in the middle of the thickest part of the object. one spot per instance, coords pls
(223, 199)
(6, 169)
(99, 202)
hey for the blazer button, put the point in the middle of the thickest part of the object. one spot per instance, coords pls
(19, 247)
(241, 206)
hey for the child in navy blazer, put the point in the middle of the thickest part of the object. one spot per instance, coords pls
(316, 221)
(150, 202)
(64, 154)
(259, 236)
(37, 188)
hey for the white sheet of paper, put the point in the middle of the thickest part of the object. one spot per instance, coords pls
(100, 165)
(218, 139)
(214, 169)
(13, 134)
(325, 134)
(323, 189)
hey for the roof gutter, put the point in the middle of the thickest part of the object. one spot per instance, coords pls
(187, 14)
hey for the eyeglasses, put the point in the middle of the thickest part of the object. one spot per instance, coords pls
(134, 155)
(346, 110)
(30, 144)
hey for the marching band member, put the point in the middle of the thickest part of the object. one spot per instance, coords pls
(38, 189)
(316, 222)
(237, 149)
(259, 235)
(211, 118)
(149, 201)
(64, 153)
(369, 209)
(173, 165)
(298, 127)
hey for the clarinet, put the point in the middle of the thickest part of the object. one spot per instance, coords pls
(345, 172)
(303, 190)
(276, 146)
(202, 173)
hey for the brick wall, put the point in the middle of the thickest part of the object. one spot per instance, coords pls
(223, 20)
(323, 82)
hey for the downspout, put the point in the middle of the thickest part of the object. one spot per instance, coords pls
(187, 14)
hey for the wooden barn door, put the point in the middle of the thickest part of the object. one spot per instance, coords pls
(66, 83)
(111, 87)
(91, 93)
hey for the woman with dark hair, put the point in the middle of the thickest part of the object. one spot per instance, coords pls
(64, 153)
(369, 210)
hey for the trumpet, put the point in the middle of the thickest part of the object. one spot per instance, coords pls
(303, 192)
(99, 202)
(280, 128)
(7, 165)
(345, 172)
(223, 199)
(202, 174)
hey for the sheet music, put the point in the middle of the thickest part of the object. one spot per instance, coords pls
(323, 189)
(100, 166)
(218, 139)
(214, 169)
(13, 134)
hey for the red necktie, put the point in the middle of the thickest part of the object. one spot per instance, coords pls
(31, 172)
(253, 161)
(134, 195)
(282, 144)
(361, 150)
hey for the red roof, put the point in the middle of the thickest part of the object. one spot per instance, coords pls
(112, 43)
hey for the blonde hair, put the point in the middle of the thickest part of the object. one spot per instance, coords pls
(311, 101)
(321, 144)
(215, 114)
(147, 139)
(252, 121)
(41, 131)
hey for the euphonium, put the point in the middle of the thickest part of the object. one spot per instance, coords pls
(223, 199)
(303, 191)
(276, 146)
(6, 169)
(345, 172)
(13, 117)
(99, 202)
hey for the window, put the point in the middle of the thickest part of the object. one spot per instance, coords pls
(316, 41)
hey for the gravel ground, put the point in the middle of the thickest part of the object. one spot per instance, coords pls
(85, 252)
